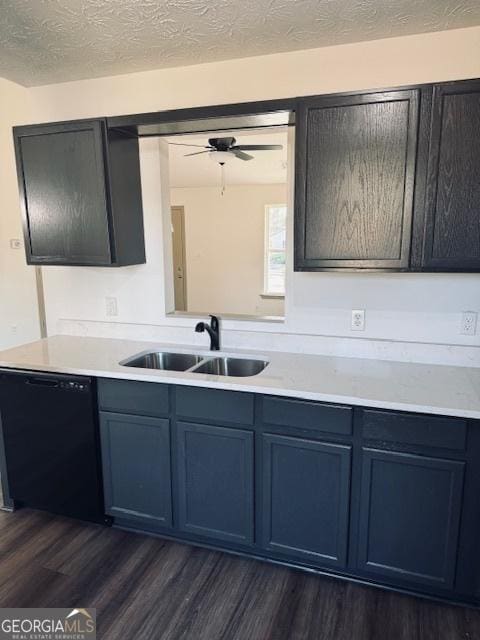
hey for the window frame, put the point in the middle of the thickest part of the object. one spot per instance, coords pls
(267, 250)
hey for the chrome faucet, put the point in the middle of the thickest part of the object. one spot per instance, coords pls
(213, 330)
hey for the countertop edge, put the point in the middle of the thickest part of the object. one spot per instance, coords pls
(168, 378)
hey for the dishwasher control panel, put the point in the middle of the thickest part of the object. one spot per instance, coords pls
(73, 385)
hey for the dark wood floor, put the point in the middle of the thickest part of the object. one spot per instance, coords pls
(146, 588)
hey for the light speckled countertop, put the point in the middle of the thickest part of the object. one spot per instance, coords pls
(423, 388)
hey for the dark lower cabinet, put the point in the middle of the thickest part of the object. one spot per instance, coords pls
(215, 482)
(409, 517)
(306, 498)
(136, 468)
(383, 496)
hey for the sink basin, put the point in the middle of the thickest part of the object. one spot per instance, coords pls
(219, 366)
(239, 367)
(166, 361)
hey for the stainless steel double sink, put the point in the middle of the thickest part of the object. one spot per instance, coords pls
(214, 365)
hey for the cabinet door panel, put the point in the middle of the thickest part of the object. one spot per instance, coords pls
(215, 482)
(354, 180)
(409, 517)
(62, 180)
(136, 468)
(453, 189)
(306, 495)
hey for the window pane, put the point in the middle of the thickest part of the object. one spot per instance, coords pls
(277, 227)
(276, 272)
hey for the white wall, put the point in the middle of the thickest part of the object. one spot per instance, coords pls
(224, 239)
(18, 311)
(408, 316)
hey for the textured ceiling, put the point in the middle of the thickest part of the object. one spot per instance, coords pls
(44, 41)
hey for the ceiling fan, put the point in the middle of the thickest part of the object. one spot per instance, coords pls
(222, 149)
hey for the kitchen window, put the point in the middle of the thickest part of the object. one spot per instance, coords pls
(275, 250)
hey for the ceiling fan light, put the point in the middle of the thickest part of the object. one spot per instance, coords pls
(220, 156)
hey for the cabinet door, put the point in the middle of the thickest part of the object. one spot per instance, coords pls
(409, 517)
(215, 482)
(63, 194)
(136, 468)
(306, 496)
(452, 231)
(355, 165)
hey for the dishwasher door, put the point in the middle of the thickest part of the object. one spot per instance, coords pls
(51, 441)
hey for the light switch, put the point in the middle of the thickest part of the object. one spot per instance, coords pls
(111, 306)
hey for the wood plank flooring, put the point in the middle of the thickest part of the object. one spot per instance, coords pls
(145, 588)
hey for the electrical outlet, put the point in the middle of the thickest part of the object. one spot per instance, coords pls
(469, 323)
(111, 306)
(358, 320)
(15, 243)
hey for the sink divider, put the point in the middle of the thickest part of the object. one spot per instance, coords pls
(199, 364)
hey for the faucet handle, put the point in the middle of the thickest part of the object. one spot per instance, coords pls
(214, 321)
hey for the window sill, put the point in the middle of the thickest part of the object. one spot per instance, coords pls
(273, 296)
(225, 316)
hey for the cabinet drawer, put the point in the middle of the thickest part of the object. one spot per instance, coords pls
(128, 396)
(415, 429)
(302, 414)
(215, 404)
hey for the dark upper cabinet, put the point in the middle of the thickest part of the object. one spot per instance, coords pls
(452, 202)
(410, 509)
(355, 169)
(80, 194)
(306, 499)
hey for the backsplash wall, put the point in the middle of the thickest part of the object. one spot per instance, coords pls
(408, 316)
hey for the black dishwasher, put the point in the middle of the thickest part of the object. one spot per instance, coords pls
(51, 441)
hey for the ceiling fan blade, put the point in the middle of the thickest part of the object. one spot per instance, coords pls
(258, 147)
(184, 144)
(196, 153)
(242, 156)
